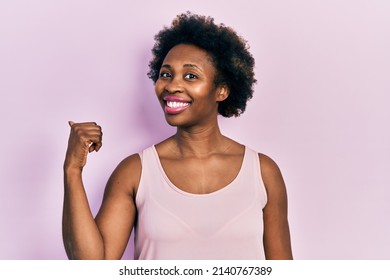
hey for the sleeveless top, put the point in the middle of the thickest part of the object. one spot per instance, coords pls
(174, 224)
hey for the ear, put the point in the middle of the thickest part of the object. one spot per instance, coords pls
(222, 93)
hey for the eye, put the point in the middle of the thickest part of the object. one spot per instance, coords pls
(165, 75)
(190, 76)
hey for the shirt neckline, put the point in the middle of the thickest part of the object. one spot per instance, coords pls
(221, 190)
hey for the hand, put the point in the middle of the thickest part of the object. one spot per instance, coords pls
(84, 138)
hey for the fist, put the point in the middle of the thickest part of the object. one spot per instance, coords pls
(83, 139)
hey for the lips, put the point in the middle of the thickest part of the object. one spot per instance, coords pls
(175, 105)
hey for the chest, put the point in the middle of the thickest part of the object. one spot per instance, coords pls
(202, 175)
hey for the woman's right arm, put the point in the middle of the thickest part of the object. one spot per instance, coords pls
(82, 238)
(106, 236)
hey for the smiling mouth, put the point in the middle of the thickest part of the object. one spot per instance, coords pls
(175, 105)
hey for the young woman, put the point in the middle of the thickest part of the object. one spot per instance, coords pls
(197, 194)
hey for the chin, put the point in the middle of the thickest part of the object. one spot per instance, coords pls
(172, 121)
(177, 122)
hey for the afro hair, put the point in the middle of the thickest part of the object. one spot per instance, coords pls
(229, 52)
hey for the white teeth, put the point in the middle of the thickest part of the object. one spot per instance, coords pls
(174, 104)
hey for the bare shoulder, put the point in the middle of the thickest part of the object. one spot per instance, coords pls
(274, 184)
(126, 175)
(132, 162)
(268, 163)
(270, 172)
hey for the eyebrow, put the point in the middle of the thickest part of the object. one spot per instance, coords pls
(188, 65)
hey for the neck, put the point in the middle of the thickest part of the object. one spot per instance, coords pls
(200, 141)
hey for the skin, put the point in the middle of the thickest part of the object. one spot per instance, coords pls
(209, 159)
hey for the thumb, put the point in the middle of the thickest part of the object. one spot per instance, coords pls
(71, 123)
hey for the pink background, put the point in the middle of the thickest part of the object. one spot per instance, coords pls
(321, 110)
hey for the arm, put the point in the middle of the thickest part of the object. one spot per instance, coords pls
(117, 214)
(85, 238)
(82, 239)
(277, 244)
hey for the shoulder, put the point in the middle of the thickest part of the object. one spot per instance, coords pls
(130, 165)
(133, 160)
(126, 175)
(271, 175)
(268, 166)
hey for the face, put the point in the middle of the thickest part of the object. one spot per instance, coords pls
(186, 89)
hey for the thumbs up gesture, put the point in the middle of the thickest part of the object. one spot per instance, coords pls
(84, 138)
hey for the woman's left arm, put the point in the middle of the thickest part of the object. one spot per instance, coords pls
(276, 239)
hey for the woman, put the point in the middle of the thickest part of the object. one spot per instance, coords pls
(197, 194)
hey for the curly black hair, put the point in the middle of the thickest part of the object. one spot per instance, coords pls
(229, 52)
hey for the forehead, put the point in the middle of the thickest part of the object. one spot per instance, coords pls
(188, 54)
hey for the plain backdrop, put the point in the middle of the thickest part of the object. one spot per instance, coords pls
(320, 110)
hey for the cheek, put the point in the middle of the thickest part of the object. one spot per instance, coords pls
(158, 87)
(208, 94)
(202, 90)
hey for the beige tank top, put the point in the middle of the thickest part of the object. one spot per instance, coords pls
(225, 224)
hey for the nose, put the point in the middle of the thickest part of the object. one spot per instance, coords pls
(174, 85)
